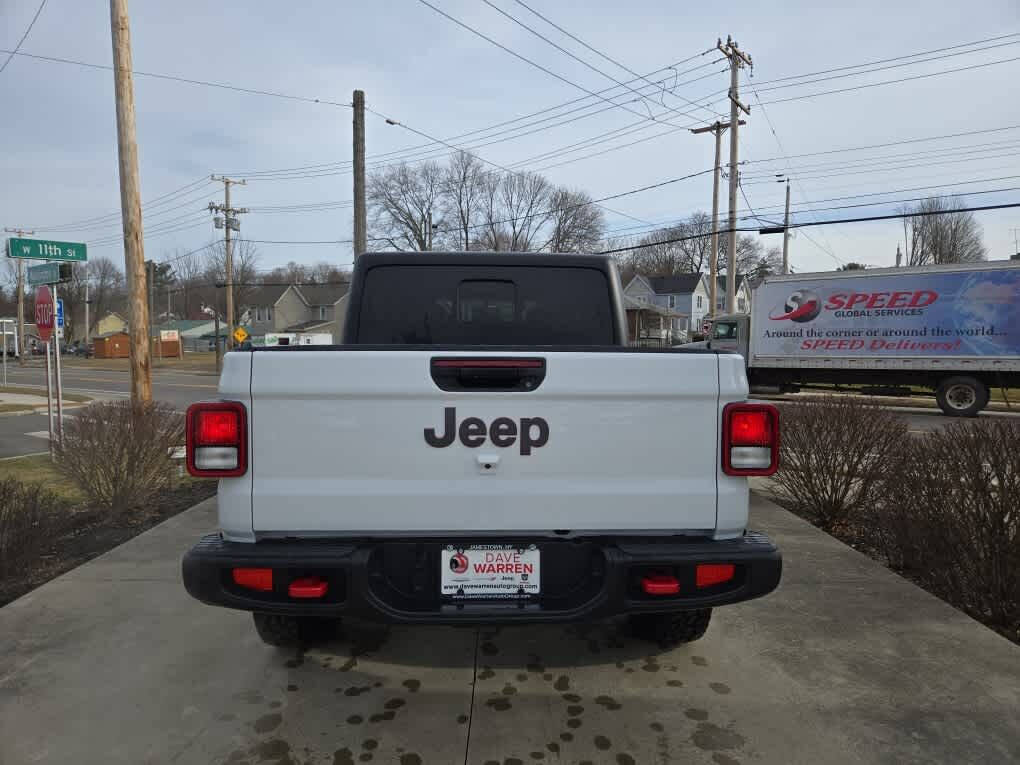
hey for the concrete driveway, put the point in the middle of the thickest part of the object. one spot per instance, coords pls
(114, 663)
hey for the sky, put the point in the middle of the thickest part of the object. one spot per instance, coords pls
(422, 70)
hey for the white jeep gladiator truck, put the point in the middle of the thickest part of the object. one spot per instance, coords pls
(483, 448)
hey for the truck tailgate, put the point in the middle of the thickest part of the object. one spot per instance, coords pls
(340, 444)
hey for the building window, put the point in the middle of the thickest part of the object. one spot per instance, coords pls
(672, 301)
(269, 313)
(741, 305)
(258, 313)
(699, 301)
(322, 312)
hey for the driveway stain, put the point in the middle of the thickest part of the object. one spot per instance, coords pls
(719, 687)
(711, 737)
(602, 743)
(268, 723)
(696, 714)
(608, 703)
(724, 759)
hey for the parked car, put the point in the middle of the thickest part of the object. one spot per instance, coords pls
(484, 448)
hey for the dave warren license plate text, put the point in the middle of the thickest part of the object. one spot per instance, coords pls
(490, 571)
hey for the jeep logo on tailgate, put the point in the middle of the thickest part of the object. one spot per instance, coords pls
(532, 431)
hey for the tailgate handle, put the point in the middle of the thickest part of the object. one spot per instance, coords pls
(488, 374)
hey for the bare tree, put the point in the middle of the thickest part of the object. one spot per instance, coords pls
(106, 288)
(327, 273)
(462, 192)
(749, 253)
(244, 273)
(188, 268)
(403, 200)
(941, 235)
(575, 224)
(679, 249)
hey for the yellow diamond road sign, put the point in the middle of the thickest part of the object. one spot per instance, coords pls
(240, 334)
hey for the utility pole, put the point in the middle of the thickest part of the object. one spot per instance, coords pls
(738, 59)
(717, 129)
(131, 205)
(230, 222)
(21, 296)
(786, 232)
(899, 257)
(360, 221)
(151, 277)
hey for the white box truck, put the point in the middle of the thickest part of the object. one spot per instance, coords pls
(954, 330)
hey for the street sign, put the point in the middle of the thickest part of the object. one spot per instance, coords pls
(42, 249)
(60, 318)
(240, 334)
(47, 273)
(44, 313)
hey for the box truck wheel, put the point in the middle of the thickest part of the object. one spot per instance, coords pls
(961, 396)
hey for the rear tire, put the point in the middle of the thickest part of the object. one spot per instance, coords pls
(961, 396)
(671, 629)
(292, 631)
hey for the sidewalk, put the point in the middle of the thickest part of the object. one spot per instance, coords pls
(845, 663)
(29, 402)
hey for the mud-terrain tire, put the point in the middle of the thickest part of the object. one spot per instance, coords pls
(671, 629)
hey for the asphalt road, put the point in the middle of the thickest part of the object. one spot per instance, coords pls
(845, 663)
(180, 388)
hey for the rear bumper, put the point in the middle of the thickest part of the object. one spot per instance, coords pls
(399, 581)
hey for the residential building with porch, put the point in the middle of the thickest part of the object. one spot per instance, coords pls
(302, 310)
(686, 295)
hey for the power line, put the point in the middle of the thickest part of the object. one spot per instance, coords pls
(595, 69)
(423, 134)
(891, 82)
(806, 224)
(412, 150)
(611, 60)
(981, 148)
(185, 80)
(885, 145)
(527, 60)
(21, 42)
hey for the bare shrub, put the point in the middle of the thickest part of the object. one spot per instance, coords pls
(119, 456)
(951, 518)
(833, 453)
(30, 518)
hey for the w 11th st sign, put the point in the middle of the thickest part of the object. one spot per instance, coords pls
(42, 249)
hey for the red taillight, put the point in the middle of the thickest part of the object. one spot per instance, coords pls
(750, 429)
(217, 440)
(308, 587)
(660, 584)
(260, 579)
(710, 574)
(750, 439)
(215, 427)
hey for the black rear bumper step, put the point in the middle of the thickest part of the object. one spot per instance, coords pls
(389, 581)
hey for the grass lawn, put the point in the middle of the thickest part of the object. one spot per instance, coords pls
(199, 361)
(41, 393)
(38, 468)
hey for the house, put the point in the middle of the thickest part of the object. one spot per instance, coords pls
(651, 324)
(306, 310)
(686, 294)
(743, 294)
(112, 322)
(190, 331)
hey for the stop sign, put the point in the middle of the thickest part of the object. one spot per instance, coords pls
(44, 313)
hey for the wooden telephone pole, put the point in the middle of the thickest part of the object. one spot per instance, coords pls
(360, 222)
(131, 206)
(738, 59)
(716, 128)
(230, 223)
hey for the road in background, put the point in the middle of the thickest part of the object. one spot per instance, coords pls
(179, 388)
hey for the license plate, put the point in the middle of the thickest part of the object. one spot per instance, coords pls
(490, 571)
